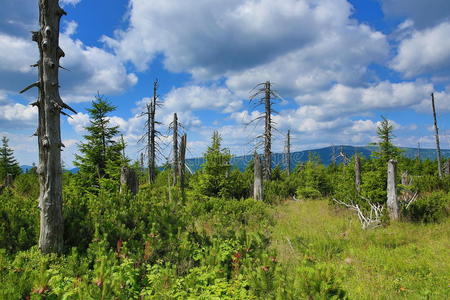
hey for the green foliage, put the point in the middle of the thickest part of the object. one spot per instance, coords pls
(101, 153)
(386, 150)
(8, 164)
(430, 208)
(308, 193)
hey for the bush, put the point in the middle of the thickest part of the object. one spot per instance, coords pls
(431, 208)
(308, 193)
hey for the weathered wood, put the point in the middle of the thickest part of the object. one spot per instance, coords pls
(8, 180)
(447, 167)
(392, 202)
(258, 178)
(357, 173)
(176, 161)
(288, 152)
(128, 180)
(406, 179)
(50, 105)
(268, 132)
(182, 167)
(436, 130)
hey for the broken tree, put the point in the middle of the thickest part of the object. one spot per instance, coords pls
(182, 157)
(264, 90)
(50, 107)
(392, 203)
(175, 162)
(258, 180)
(288, 152)
(357, 173)
(436, 130)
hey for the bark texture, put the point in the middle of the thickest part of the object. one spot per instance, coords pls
(50, 107)
(392, 203)
(258, 178)
(182, 168)
(436, 131)
(268, 132)
(447, 167)
(288, 152)
(8, 180)
(176, 161)
(128, 180)
(357, 173)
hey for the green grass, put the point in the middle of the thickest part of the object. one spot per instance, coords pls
(400, 261)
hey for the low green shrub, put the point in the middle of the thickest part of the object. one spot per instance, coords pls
(308, 193)
(429, 208)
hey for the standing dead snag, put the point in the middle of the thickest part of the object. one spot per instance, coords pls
(288, 152)
(151, 133)
(357, 173)
(50, 107)
(267, 99)
(182, 156)
(128, 180)
(392, 203)
(436, 129)
(176, 162)
(258, 180)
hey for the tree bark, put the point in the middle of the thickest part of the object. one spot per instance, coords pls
(288, 152)
(357, 173)
(128, 180)
(447, 167)
(436, 129)
(181, 168)
(8, 180)
(392, 203)
(268, 132)
(176, 161)
(50, 106)
(258, 180)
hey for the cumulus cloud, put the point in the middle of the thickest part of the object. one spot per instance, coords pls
(425, 51)
(16, 115)
(422, 13)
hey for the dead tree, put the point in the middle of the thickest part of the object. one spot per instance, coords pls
(50, 106)
(357, 173)
(266, 96)
(436, 129)
(128, 180)
(8, 180)
(151, 134)
(369, 220)
(175, 162)
(182, 156)
(288, 152)
(392, 202)
(447, 167)
(418, 151)
(258, 178)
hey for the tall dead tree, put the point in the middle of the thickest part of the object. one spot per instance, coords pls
(50, 106)
(257, 180)
(357, 173)
(175, 161)
(392, 203)
(265, 96)
(151, 133)
(182, 156)
(436, 130)
(418, 151)
(288, 152)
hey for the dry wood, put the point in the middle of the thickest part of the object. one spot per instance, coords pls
(128, 180)
(392, 202)
(258, 180)
(436, 130)
(357, 173)
(182, 157)
(176, 161)
(369, 220)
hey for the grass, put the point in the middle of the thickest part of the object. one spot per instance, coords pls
(400, 261)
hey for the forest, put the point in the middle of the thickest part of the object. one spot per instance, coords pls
(359, 227)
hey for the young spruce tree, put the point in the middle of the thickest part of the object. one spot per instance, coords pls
(8, 164)
(101, 154)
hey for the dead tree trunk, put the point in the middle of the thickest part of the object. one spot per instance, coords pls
(128, 180)
(406, 179)
(436, 129)
(447, 167)
(151, 133)
(267, 133)
(392, 203)
(258, 178)
(288, 153)
(357, 173)
(8, 180)
(50, 107)
(176, 161)
(182, 156)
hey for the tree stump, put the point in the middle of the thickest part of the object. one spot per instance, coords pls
(258, 179)
(128, 180)
(392, 203)
(8, 180)
(357, 173)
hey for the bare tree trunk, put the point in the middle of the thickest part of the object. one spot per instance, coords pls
(50, 107)
(268, 132)
(357, 173)
(405, 178)
(447, 167)
(436, 129)
(128, 180)
(151, 134)
(288, 152)
(418, 151)
(176, 161)
(392, 203)
(182, 167)
(258, 180)
(8, 180)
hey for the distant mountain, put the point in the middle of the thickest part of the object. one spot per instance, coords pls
(325, 155)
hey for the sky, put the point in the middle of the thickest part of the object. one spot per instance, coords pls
(338, 65)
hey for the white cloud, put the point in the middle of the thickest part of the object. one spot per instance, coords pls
(79, 121)
(424, 51)
(16, 115)
(72, 2)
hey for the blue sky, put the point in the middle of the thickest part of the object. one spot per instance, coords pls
(337, 64)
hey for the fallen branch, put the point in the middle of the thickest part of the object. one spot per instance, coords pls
(372, 220)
